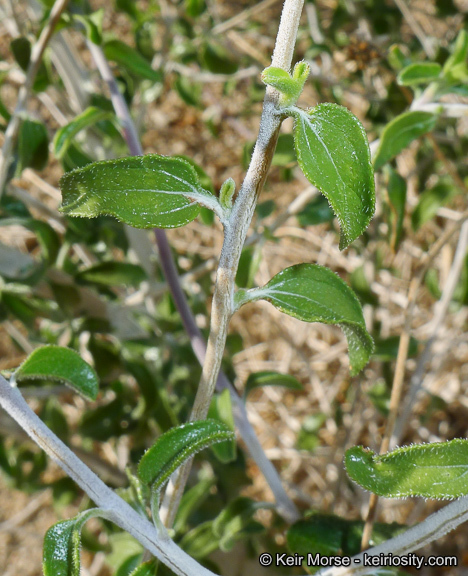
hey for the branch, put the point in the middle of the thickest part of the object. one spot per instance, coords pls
(11, 133)
(434, 527)
(118, 511)
(285, 505)
(234, 237)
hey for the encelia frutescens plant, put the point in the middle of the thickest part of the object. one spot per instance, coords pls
(155, 191)
(165, 192)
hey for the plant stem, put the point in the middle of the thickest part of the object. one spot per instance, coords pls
(285, 505)
(117, 510)
(234, 237)
(434, 527)
(11, 133)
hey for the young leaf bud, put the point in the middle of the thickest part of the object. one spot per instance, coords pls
(226, 193)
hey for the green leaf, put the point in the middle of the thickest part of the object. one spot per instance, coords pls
(200, 541)
(177, 445)
(249, 263)
(27, 308)
(317, 211)
(21, 49)
(435, 470)
(217, 59)
(446, 8)
(269, 378)
(289, 85)
(419, 73)
(62, 542)
(396, 191)
(194, 8)
(130, 8)
(33, 145)
(60, 365)
(235, 522)
(400, 132)
(333, 152)
(142, 191)
(455, 68)
(330, 535)
(221, 410)
(396, 57)
(131, 60)
(64, 136)
(112, 274)
(124, 547)
(189, 91)
(113, 419)
(191, 501)
(61, 550)
(146, 569)
(430, 201)
(285, 155)
(93, 25)
(386, 349)
(226, 193)
(313, 293)
(74, 157)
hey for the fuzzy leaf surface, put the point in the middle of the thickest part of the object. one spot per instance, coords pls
(62, 544)
(313, 293)
(400, 132)
(333, 152)
(177, 445)
(438, 470)
(142, 191)
(60, 365)
(61, 553)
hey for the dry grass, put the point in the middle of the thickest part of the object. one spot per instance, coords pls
(315, 354)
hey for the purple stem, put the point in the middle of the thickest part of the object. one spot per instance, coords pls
(285, 505)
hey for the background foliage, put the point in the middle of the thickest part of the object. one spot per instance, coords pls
(192, 79)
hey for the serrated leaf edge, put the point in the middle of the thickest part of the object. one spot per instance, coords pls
(305, 116)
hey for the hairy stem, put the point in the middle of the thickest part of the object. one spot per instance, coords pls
(234, 237)
(434, 527)
(117, 510)
(285, 505)
(11, 133)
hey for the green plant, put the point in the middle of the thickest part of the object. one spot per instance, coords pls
(151, 190)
